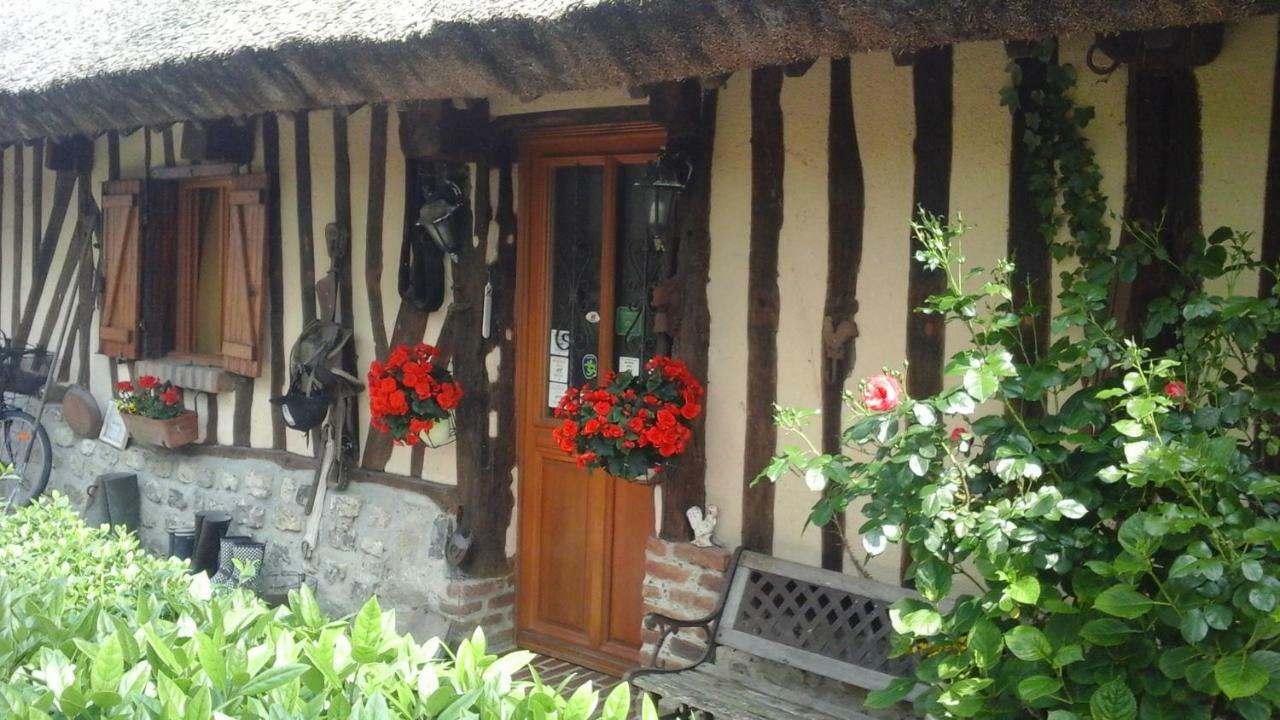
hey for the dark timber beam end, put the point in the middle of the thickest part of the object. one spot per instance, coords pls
(764, 305)
(689, 114)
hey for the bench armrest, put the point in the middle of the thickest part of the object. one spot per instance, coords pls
(669, 626)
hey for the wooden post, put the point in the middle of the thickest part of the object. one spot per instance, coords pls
(306, 225)
(373, 225)
(846, 199)
(689, 114)
(275, 273)
(763, 305)
(932, 81)
(1026, 244)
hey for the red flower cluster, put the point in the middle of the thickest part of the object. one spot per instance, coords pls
(631, 424)
(410, 393)
(149, 398)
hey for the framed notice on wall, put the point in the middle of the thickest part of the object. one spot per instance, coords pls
(113, 432)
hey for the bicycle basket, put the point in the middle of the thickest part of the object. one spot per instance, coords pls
(24, 368)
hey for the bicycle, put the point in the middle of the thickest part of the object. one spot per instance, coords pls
(24, 444)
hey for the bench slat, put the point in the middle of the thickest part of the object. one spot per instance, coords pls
(728, 699)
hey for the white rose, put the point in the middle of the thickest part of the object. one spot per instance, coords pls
(814, 478)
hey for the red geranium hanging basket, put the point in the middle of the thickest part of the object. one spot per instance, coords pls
(411, 396)
(633, 426)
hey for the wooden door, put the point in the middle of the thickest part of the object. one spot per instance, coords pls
(586, 269)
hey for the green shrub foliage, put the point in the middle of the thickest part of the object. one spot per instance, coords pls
(1091, 525)
(1092, 532)
(93, 627)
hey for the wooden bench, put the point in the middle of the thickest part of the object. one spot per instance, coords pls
(785, 640)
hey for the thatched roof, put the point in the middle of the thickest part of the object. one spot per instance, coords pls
(70, 66)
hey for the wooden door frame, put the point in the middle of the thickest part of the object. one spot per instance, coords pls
(632, 138)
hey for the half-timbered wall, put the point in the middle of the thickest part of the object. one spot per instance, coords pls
(1236, 97)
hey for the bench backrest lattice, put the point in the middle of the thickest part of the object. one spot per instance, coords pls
(806, 618)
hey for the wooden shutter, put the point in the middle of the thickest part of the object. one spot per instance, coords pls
(244, 276)
(122, 262)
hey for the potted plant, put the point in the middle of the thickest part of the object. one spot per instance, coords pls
(634, 425)
(153, 413)
(412, 397)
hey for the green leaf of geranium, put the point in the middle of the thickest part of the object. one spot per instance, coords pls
(1025, 590)
(1028, 643)
(1123, 601)
(985, 642)
(1113, 701)
(1038, 686)
(1240, 675)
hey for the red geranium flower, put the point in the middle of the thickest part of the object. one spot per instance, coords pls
(148, 382)
(656, 408)
(172, 396)
(409, 394)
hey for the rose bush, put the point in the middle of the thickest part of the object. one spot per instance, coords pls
(1104, 542)
(410, 393)
(633, 424)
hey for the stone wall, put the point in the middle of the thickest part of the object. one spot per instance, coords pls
(684, 581)
(373, 539)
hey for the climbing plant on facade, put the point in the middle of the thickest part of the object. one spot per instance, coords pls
(1113, 554)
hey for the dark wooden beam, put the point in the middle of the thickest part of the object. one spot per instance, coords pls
(445, 496)
(439, 130)
(689, 114)
(410, 326)
(170, 155)
(763, 305)
(275, 273)
(37, 207)
(113, 173)
(1026, 243)
(74, 153)
(931, 75)
(19, 241)
(846, 201)
(373, 225)
(567, 118)
(306, 226)
(64, 186)
(346, 292)
(1162, 182)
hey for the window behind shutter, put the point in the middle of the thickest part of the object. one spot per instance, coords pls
(244, 276)
(122, 250)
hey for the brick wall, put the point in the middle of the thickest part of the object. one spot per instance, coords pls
(682, 581)
(487, 602)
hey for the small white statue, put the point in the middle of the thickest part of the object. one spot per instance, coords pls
(703, 525)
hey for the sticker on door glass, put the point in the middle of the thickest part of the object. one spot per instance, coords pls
(555, 391)
(560, 341)
(590, 366)
(628, 364)
(559, 369)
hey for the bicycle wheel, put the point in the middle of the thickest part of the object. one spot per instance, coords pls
(24, 445)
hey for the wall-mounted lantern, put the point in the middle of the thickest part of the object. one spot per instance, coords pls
(439, 215)
(668, 177)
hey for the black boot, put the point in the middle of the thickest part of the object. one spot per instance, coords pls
(211, 526)
(226, 552)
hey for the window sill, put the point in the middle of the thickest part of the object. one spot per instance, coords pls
(189, 374)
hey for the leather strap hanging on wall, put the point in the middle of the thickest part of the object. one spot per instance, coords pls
(421, 271)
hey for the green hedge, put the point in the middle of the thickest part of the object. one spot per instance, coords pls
(91, 626)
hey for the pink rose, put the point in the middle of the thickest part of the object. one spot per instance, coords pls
(957, 434)
(882, 393)
(1175, 389)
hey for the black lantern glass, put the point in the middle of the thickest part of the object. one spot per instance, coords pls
(439, 217)
(668, 178)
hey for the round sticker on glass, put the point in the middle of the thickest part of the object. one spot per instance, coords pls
(590, 366)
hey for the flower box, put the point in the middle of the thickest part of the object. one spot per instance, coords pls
(173, 432)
